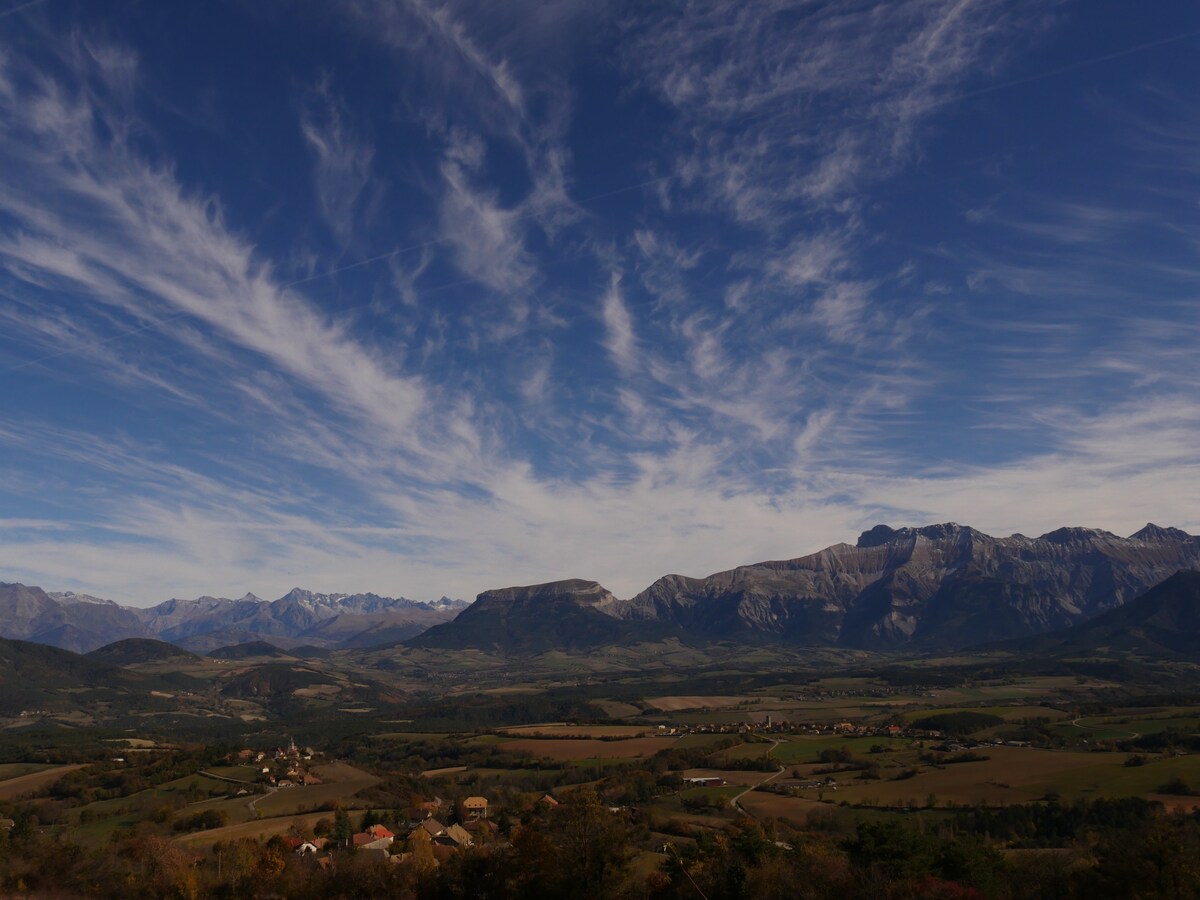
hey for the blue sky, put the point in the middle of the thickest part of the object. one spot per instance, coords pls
(430, 297)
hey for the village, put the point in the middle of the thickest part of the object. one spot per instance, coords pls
(422, 839)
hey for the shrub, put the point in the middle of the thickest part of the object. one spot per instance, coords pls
(959, 723)
(1178, 787)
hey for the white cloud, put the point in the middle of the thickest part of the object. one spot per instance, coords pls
(788, 108)
(342, 162)
(147, 248)
(618, 323)
(486, 237)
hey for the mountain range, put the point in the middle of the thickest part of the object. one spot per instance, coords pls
(933, 588)
(940, 587)
(81, 622)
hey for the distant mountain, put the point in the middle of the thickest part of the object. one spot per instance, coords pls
(297, 618)
(70, 597)
(445, 603)
(71, 621)
(351, 632)
(561, 615)
(1164, 621)
(82, 623)
(938, 587)
(132, 651)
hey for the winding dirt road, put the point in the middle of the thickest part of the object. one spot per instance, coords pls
(736, 801)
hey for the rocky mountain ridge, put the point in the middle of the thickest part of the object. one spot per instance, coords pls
(937, 587)
(568, 615)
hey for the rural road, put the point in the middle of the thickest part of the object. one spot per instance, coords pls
(736, 801)
(252, 805)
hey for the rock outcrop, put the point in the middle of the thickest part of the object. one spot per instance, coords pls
(938, 587)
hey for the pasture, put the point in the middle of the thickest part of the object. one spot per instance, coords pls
(761, 804)
(32, 781)
(680, 704)
(1009, 775)
(563, 730)
(804, 749)
(341, 782)
(261, 829)
(567, 749)
(15, 770)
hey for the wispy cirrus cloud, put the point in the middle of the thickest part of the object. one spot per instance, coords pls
(97, 217)
(467, 77)
(485, 236)
(342, 175)
(791, 106)
(618, 323)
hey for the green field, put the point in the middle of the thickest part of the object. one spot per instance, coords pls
(712, 794)
(127, 812)
(808, 749)
(1108, 728)
(236, 773)
(287, 801)
(412, 736)
(702, 740)
(605, 762)
(1108, 777)
(752, 750)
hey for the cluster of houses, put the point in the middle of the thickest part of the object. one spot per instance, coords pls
(427, 840)
(283, 767)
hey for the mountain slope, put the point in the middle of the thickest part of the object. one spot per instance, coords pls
(132, 651)
(1161, 622)
(40, 677)
(561, 615)
(249, 650)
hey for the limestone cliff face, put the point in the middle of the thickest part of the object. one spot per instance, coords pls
(937, 587)
(560, 615)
